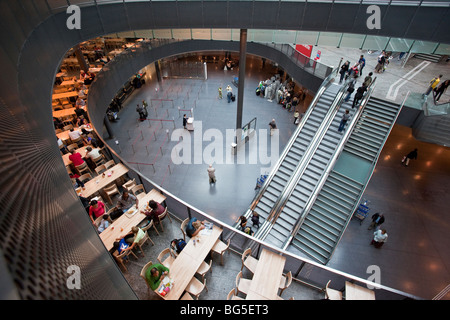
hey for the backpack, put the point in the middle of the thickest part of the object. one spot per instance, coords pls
(178, 245)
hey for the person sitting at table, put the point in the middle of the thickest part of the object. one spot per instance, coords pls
(96, 210)
(81, 112)
(133, 237)
(155, 210)
(82, 92)
(76, 158)
(57, 123)
(92, 153)
(89, 78)
(82, 75)
(74, 134)
(80, 102)
(126, 201)
(62, 147)
(155, 274)
(90, 140)
(103, 224)
(194, 226)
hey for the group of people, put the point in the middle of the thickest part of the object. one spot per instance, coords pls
(142, 110)
(352, 72)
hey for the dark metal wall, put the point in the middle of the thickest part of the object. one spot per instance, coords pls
(44, 226)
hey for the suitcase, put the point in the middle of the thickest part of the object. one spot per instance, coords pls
(233, 98)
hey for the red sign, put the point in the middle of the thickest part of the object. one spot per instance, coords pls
(305, 50)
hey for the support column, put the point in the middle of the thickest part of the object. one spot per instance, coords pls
(108, 127)
(81, 61)
(158, 71)
(240, 96)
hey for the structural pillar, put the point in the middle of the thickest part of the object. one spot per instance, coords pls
(81, 61)
(241, 81)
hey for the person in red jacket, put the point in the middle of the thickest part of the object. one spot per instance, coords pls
(96, 210)
(76, 158)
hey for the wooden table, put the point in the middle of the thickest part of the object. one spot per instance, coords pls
(94, 70)
(355, 292)
(66, 83)
(62, 95)
(66, 112)
(64, 135)
(266, 279)
(98, 182)
(186, 264)
(125, 222)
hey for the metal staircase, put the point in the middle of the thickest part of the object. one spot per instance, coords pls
(319, 233)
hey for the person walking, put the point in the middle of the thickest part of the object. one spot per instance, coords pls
(359, 95)
(368, 79)
(377, 220)
(140, 110)
(350, 90)
(211, 174)
(229, 93)
(441, 89)
(145, 105)
(344, 70)
(379, 238)
(381, 61)
(220, 93)
(344, 120)
(273, 126)
(409, 156)
(362, 63)
(433, 84)
(185, 120)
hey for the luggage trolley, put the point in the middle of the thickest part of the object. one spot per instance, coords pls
(362, 211)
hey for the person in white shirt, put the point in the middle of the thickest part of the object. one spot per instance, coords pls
(74, 135)
(379, 238)
(103, 224)
(211, 174)
(93, 153)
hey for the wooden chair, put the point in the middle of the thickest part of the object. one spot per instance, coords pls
(85, 177)
(285, 282)
(186, 296)
(72, 146)
(143, 272)
(100, 169)
(58, 131)
(232, 295)
(79, 141)
(138, 191)
(147, 224)
(162, 216)
(195, 287)
(109, 191)
(129, 184)
(110, 164)
(68, 127)
(167, 262)
(120, 258)
(144, 239)
(248, 261)
(82, 168)
(204, 268)
(332, 294)
(98, 161)
(242, 284)
(220, 248)
(183, 227)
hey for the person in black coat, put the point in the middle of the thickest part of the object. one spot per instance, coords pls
(359, 95)
(344, 70)
(409, 156)
(377, 220)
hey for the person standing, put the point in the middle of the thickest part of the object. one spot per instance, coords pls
(184, 120)
(145, 105)
(379, 238)
(368, 79)
(359, 95)
(350, 90)
(344, 70)
(381, 61)
(409, 156)
(220, 93)
(211, 174)
(433, 84)
(441, 89)
(296, 115)
(140, 110)
(377, 220)
(362, 63)
(273, 126)
(344, 120)
(229, 93)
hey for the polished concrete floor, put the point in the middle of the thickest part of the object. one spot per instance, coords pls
(414, 199)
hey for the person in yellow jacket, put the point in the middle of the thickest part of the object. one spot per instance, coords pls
(433, 84)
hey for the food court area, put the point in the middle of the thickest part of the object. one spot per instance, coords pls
(161, 255)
